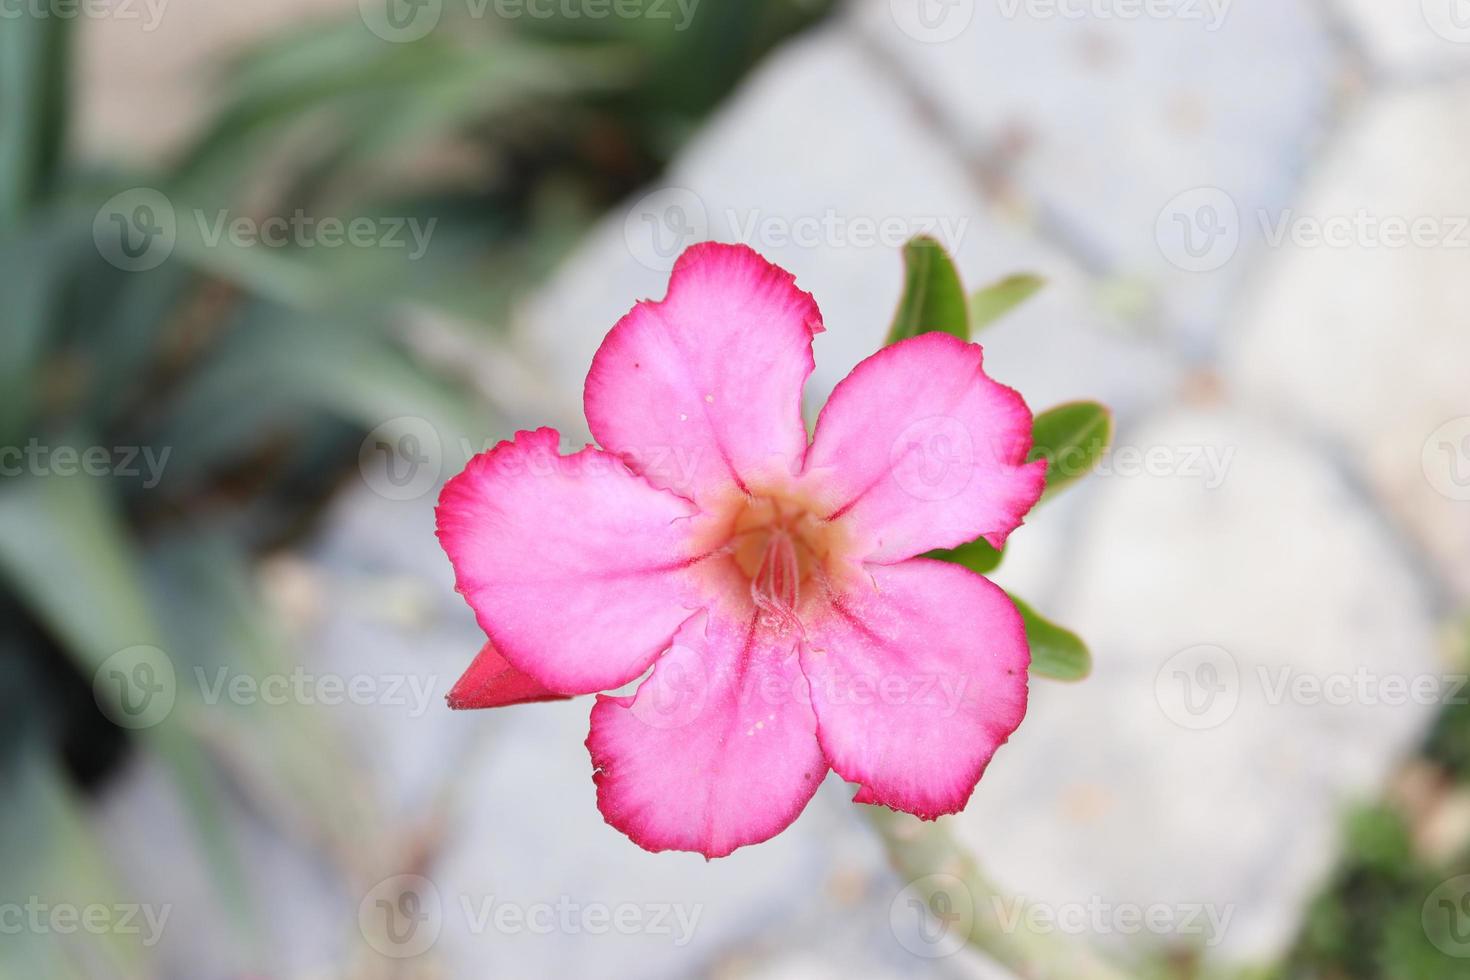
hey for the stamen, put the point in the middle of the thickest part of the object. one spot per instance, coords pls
(776, 583)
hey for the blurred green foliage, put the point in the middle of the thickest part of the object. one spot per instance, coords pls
(1370, 922)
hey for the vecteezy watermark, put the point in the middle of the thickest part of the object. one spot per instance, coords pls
(1200, 230)
(136, 687)
(1445, 917)
(410, 20)
(932, 21)
(404, 916)
(677, 692)
(139, 686)
(831, 229)
(663, 223)
(933, 916)
(148, 12)
(1208, 464)
(139, 229)
(306, 687)
(1285, 684)
(1200, 687)
(39, 917)
(1450, 19)
(402, 459)
(1210, 13)
(401, 916)
(933, 458)
(305, 231)
(1098, 916)
(136, 230)
(405, 457)
(36, 458)
(1446, 459)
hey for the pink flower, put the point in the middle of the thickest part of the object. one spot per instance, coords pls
(774, 585)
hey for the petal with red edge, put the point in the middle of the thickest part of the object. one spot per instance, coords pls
(702, 391)
(491, 682)
(925, 450)
(576, 568)
(717, 749)
(916, 679)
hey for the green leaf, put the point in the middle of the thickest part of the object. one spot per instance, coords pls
(51, 850)
(994, 302)
(34, 57)
(933, 298)
(66, 552)
(1056, 653)
(977, 556)
(1071, 438)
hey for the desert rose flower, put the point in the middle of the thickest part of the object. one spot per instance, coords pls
(773, 583)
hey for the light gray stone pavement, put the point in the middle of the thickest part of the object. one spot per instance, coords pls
(1097, 123)
(1135, 785)
(1366, 342)
(1414, 38)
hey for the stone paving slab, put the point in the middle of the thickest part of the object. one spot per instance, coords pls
(1412, 37)
(1107, 124)
(1365, 337)
(1137, 786)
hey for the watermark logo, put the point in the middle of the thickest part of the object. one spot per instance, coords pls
(136, 230)
(1450, 19)
(1199, 230)
(36, 458)
(42, 918)
(401, 21)
(136, 687)
(675, 693)
(1210, 13)
(932, 21)
(933, 458)
(402, 459)
(1099, 917)
(1446, 917)
(662, 224)
(1446, 459)
(149, 12)
(402, 916)
(1199, 687)
(933, 917)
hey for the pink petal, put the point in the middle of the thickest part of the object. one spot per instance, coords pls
(925, 450)
(491, 682)
(576, 568)
(702, 391)
(718, 748)
(917, 679)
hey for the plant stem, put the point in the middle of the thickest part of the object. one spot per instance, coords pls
(929, 858)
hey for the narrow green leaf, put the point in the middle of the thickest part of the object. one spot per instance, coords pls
(933, 298)
(994, 302)
(34, 57)
(1056, 653)
(1071, 438)
(977, 556)
(52, 852)
(67, 554)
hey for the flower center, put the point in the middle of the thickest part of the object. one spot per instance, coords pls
(785, 552)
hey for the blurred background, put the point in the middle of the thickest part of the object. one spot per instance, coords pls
(271, 272)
